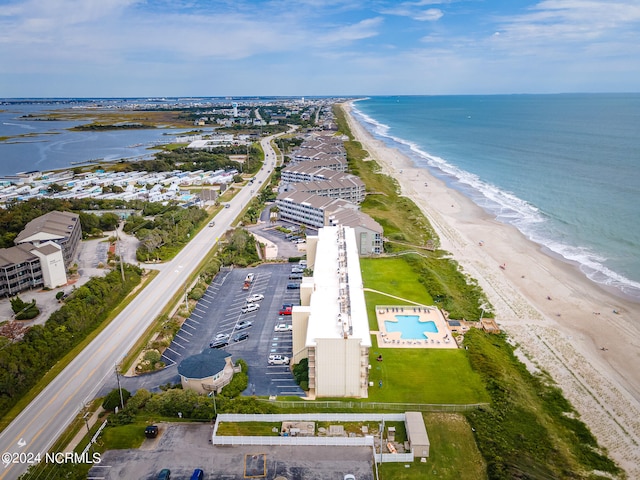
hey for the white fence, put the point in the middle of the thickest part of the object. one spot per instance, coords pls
(291, 441)
(366, 441)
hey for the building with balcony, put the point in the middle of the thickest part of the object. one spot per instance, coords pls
(330, 327)
(62, 228)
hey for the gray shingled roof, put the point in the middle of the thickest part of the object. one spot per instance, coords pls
(203, 365)
(55, 223)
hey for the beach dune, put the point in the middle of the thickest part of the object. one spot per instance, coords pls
(585, 337)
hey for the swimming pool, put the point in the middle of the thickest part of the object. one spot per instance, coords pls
(410, 327)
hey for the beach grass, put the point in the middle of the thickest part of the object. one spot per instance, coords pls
(530, 427)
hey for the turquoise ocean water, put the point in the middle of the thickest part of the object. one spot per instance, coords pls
(564, 169)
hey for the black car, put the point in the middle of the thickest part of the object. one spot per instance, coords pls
(151, 431)
(293, 286)
(238, 337)
(223, 342)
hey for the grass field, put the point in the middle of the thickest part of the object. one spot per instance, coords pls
(420, 375)
(395, 277)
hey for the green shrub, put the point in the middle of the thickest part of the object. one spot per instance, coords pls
(112, 400)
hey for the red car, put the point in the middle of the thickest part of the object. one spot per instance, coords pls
(285, 311)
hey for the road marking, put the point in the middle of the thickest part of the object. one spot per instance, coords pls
(185, 324)
(172, 350)
(194, 321)
(194, 315)
(177, 344)
(182, 338)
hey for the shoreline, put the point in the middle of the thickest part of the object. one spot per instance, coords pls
(564, 335)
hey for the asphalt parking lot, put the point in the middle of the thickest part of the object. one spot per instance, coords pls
(185, 447)
(219, 311)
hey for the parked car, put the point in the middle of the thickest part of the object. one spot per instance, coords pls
(165, 474)
(238, 337)
(275, 359)
(151, 431)
(197, 474)
(299, 240)
(295, 276)
(219, 343)
(250, 307)
(243, 324)
(348, 476)
(297, 270)
(293, 286)
(221, 336)
(256, 297)
(285, 311)
(283, 327)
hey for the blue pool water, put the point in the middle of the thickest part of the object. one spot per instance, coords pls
(410, 327)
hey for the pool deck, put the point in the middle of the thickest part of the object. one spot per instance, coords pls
(387, 313)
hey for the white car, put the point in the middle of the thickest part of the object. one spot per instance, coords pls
(221, 336)
(243, 324)
(251, 307)
(283, 327)
(278, 360)
(256, 297)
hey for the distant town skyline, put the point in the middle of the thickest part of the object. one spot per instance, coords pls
(131, 48)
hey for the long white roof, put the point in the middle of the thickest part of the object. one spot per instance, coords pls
(337, 278)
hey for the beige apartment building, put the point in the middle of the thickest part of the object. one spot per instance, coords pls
(330, 327)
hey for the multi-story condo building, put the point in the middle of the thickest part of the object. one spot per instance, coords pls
(62, 228)
(330, 327)
(43, 252)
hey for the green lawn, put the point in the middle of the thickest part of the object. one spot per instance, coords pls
(395, 277)
(124, 436)
(420, 375)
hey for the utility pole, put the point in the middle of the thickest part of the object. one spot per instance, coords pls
(120, 252)
(119, 387)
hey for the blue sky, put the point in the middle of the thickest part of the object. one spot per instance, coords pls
(112, 48)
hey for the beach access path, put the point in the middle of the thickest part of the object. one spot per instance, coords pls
(585, 337)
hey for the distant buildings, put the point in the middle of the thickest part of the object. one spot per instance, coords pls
(318, 192)
(330, 327)
(44, 251)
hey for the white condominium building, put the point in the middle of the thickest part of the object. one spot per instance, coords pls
(330, 327)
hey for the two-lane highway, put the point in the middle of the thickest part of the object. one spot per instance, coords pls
(49, 414)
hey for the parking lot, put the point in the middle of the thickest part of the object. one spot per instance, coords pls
(184, 447)
(220, 310)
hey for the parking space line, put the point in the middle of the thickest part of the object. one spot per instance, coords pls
(205, 300)
(184, 331)
(172, 350)
(177, 344)
(193, 314)
(185, 324)
(198, 309)
(192, 320)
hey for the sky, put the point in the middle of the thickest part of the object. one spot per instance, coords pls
(131, 48)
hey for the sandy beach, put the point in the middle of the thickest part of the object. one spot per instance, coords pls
(563, 323)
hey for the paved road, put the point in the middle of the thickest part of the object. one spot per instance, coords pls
(49, 414)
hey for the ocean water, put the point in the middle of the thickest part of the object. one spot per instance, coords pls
(564, 169)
